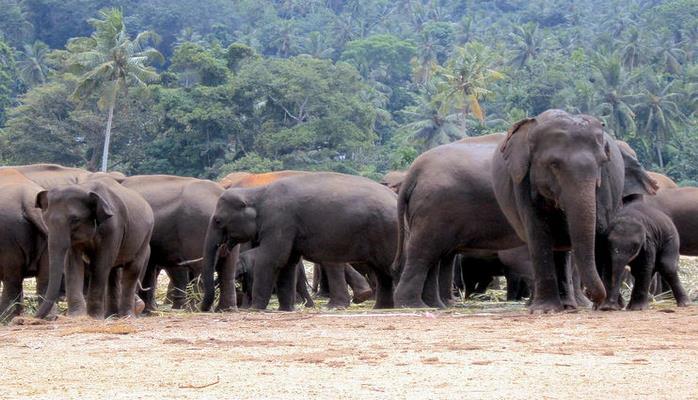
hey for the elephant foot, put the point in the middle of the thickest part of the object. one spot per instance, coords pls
(287, 308)
(682, 303)
(226, 308)
(77, 312)
(545, 307)
(435, 303)
(638, 306)
(360, 297)
(309, 303)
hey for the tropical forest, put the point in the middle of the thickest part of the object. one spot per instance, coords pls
(204, 88)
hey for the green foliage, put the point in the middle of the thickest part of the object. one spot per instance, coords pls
(358, 86)
(8, 78)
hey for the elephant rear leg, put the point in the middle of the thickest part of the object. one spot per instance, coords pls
(421, 264)
(446, 277)
(359, 285)
(130, 275)
(641, 269)
(336, 280)
(302, 286)
(11, 299)
(384, 289)
(149, 285)
(667, 267)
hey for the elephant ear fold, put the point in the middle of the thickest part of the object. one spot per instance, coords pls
(637, 181)
(515, 149)
(102, 208)
(41, 200)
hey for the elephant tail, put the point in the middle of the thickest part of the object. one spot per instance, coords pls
(403, 199)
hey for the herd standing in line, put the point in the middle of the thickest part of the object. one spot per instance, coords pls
(556, 205)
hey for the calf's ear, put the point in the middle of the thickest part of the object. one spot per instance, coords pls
(637, 181)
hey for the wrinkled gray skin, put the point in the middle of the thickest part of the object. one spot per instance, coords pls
(644, 238)
(475, 272)
(559, 179)
(318, 216)
(182, 208)
(23, 251)
(681, 206)
(106, 224)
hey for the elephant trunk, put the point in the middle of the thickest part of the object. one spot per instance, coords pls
(580, 207)
(214, 238)
(58, 246)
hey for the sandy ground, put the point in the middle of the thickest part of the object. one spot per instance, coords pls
(482, 353)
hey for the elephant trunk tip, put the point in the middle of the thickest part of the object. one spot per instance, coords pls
(44, 309)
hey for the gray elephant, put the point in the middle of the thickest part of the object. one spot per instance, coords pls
(322, 217)
(22, 240)
(644, 238)
(183, 208)
(106, 226)
(559, 179)
(332, 281)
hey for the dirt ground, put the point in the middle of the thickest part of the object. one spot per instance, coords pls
(482, 353)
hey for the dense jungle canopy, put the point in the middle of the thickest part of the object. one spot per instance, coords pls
(202, 88)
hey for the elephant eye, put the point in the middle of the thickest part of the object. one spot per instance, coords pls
(554, 164)
(73, 220)
(217, 221)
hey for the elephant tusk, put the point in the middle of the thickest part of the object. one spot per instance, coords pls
(187, 262)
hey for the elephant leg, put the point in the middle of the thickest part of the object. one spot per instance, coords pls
(667, 267)
(384, 289)
(336, 280)
(446, 272)
(286, 285)
(563, 269)
(431, 294)
(359, 285)
(270, 259)
(177, 288)
(113, 292)
(316, 279)
(546, 293)
(641, 268)
(420, 259)
(74, 284)
(226, 276)
(323, 283)
(150, 279)
(302, 286)
(11, 299)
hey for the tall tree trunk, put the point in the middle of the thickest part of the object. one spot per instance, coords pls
(107, 137)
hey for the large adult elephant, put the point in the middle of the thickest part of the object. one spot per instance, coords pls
(49, 176)
(681, 205)
(446, 206)
(107, 226)
(22, 240)
(559, 179)
(322, 217)
(182, 208)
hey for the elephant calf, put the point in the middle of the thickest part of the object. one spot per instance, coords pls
(646, 239)
(322, 217)
(106, 226)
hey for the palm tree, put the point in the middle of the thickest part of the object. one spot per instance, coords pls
(668, 54)
(465, 79)
(528, 43)
(33, 63)
(614, 87)
(428, 124)
(316, 45)
(657, 107)
(632, 50)
(109, 62)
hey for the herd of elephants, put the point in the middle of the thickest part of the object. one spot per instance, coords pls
(556, 205)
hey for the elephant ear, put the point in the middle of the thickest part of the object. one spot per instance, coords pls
(102, 208)
(41, 200)
(516, 151)
(637, 181)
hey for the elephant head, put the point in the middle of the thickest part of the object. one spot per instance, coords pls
(234, 221)
(626, 237)
(73, 217)
(563, 157)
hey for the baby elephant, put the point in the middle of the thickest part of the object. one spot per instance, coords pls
(646, 239)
